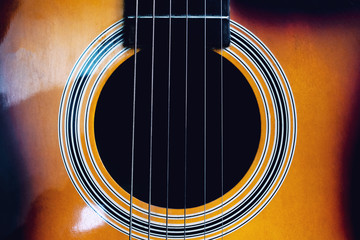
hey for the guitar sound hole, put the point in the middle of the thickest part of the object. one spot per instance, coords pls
(113, 128)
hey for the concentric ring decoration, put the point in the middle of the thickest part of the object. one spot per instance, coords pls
(218, 218)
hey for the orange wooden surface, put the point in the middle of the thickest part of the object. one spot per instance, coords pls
(319, 54)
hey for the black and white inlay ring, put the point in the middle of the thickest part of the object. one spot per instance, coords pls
(221, 217)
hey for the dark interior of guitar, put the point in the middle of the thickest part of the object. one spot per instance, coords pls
(241, 125)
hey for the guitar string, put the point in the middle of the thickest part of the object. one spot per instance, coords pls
(186, 109)
(169, 97)
(205, 120)
(222, 119)
(182, 17)
(151, 116)
(168, 124)
(133, 120)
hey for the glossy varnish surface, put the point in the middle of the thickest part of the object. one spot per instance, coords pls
(319, 54)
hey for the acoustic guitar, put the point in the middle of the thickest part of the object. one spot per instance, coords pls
(178, 120)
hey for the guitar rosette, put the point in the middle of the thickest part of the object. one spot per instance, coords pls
(215, 219)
